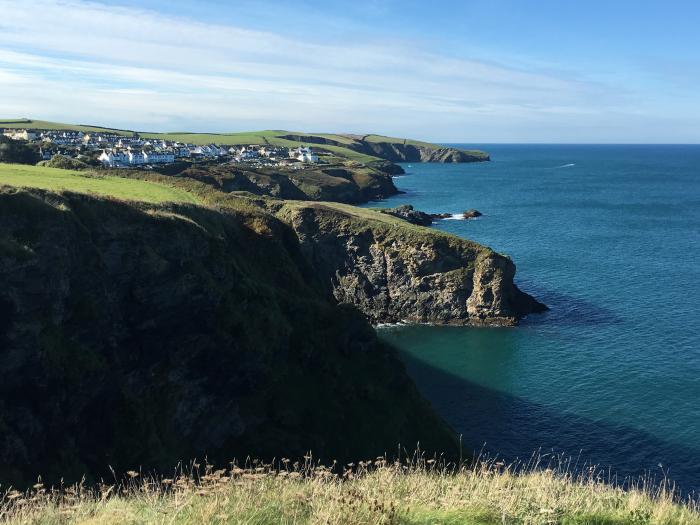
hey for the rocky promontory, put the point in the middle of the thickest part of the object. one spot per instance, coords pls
(393, 271)
(137, 335)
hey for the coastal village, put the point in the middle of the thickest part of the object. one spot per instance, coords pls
(114, 150)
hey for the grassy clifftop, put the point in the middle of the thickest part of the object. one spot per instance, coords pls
(24, 176)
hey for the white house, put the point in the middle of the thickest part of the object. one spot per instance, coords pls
(158, 157)
(182, 151)
(247, 154)
(271, 151)
(136, 158)
(20, 134)
(114, 158)
(304, 154)
(206, 151)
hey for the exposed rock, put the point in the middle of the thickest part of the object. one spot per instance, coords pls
(407, 213)
(397, 152)
(351, 184)
(472, 214)
(441, 215)
(388, 167)
(394, 274)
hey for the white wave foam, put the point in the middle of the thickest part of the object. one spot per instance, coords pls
(386, 326)
(455, 217)
(564, 166)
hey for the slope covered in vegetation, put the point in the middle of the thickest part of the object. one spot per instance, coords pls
(139, 334)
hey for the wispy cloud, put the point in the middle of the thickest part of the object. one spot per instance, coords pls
(93, 62)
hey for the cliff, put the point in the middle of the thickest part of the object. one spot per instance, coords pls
(218, 324)
(393, 271)
(391, 149)
(142, 334)
(350, 183)
(401, 152)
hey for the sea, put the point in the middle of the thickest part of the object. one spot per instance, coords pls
(608, 236)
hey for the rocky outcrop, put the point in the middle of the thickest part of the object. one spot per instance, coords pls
(407, 213)
(472, 214)
(392, 271)
(400, 152)
(140, 335)
(388, 167)
(351, 184)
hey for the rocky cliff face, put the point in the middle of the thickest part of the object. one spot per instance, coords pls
(392, 271)
(350, 184)
(415, 153)
(141, 335)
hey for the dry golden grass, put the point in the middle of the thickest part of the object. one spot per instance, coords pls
(372, 492)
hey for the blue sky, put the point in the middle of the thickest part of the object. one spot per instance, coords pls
(472, 71)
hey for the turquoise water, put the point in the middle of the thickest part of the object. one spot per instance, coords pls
(609, 238)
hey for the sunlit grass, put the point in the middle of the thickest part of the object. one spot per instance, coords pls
(23, 176)
(371, 492)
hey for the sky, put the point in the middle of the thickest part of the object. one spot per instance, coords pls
(474, 71)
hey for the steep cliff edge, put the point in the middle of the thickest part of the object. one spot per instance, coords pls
(139, 335)
(393, 271)
(418, 153)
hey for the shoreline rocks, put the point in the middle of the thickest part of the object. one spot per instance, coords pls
(409, 214)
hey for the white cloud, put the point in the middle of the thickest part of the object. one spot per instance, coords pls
(91, 62)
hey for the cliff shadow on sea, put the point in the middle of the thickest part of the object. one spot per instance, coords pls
(514, 428)
(566, 309)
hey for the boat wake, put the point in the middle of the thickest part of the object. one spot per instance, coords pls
(564, 166)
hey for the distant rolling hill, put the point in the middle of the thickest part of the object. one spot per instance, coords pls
(359, 148)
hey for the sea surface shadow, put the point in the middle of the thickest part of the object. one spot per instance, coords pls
(567, 310)
(514, 428)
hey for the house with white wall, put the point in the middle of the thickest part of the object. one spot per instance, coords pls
(114, 158)
(158, 157)
(303, 154)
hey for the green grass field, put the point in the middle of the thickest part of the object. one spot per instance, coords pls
(45, 124)
(54, 179)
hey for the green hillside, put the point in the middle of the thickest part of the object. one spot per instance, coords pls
(358, 148)
(45, 124)
(23, 176)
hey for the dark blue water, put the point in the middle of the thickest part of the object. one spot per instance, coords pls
(609, 238)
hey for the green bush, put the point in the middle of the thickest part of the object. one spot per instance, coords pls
(17, 152)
